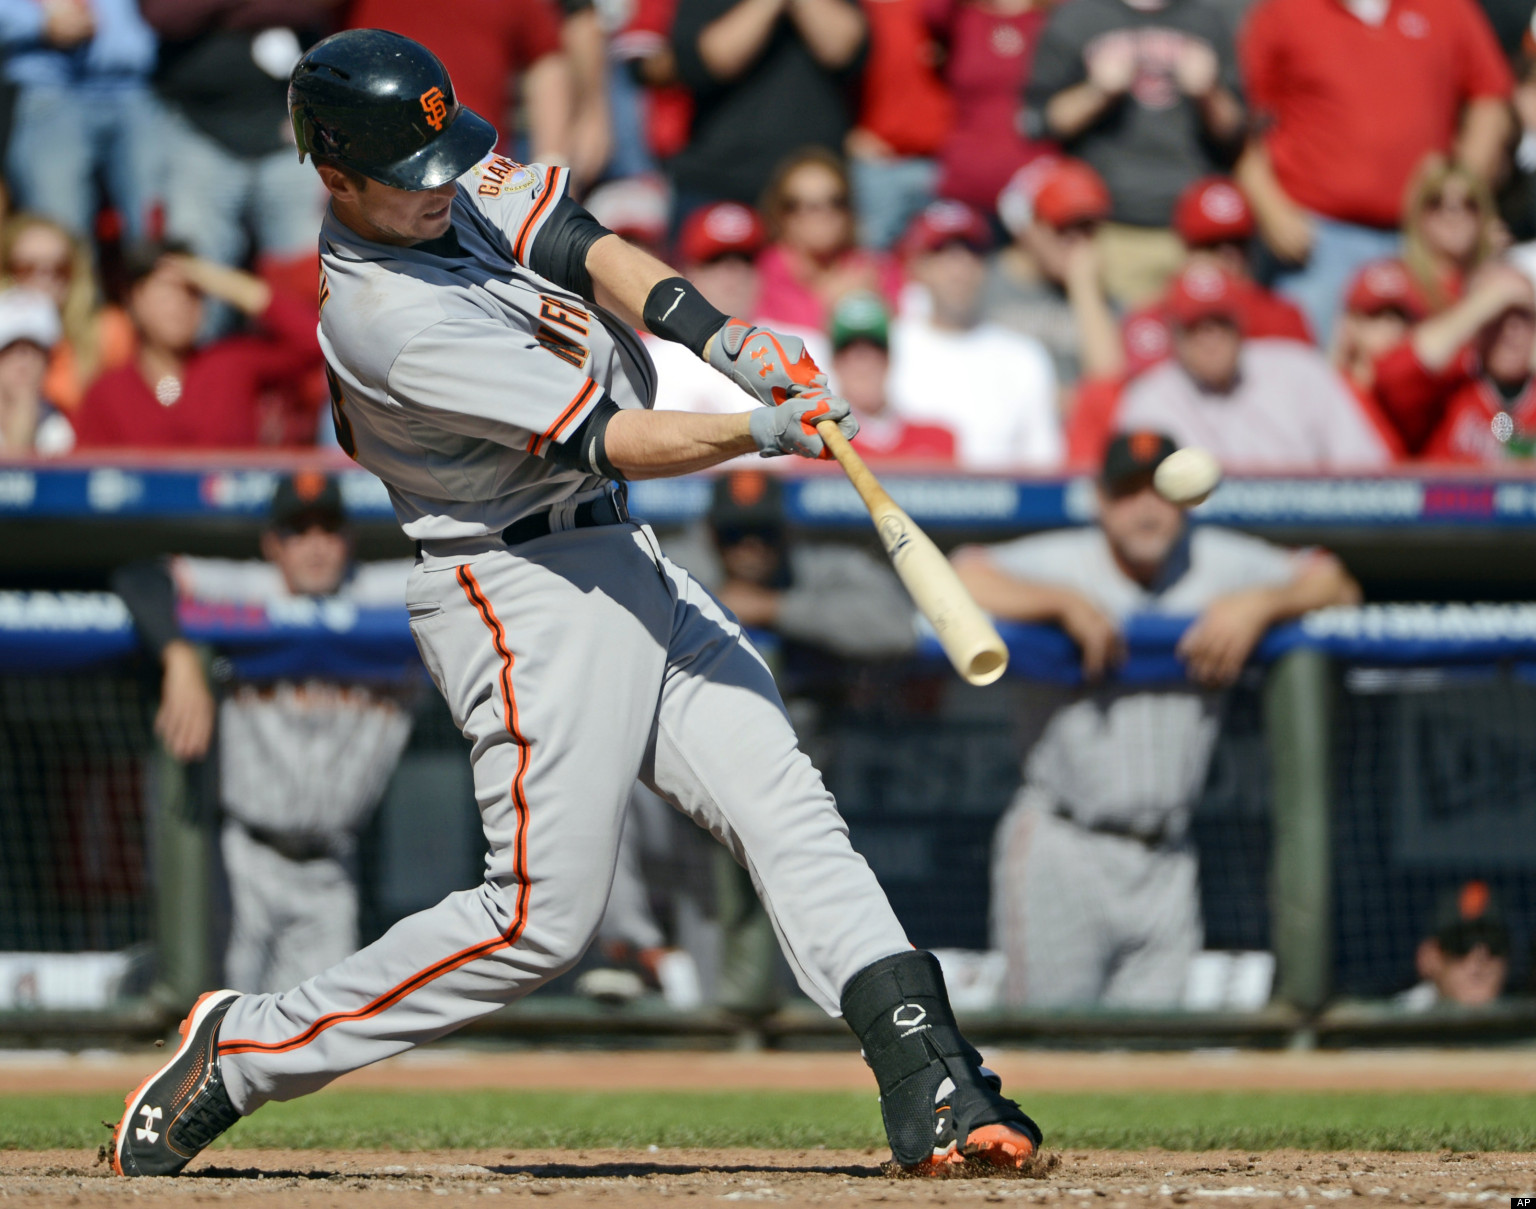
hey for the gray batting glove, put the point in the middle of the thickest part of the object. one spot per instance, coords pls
(769, 367)
(791, 426)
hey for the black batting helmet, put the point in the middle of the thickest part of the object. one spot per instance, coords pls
(384, 106)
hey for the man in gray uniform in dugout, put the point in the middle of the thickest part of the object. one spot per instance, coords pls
(1095, 891)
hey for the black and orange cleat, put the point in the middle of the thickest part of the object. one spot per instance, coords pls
(183, 1106)
(1008, 1145)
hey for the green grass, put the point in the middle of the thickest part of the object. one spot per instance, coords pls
(522, 1120)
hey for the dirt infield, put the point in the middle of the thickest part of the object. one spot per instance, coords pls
(1115, 1180)
(445, 1067)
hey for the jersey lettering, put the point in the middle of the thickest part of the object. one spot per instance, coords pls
(343, 426)
(502, 175)
(566, 313)
(568, 350)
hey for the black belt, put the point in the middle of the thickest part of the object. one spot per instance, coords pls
(296, 847)
(1150, 839)
(610, 509)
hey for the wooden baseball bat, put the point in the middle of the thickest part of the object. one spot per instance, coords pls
(966, 633)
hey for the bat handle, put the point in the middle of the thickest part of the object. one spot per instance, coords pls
(860, 475)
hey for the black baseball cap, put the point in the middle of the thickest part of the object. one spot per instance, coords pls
(746, 503)
(1469, 916)
(1132, 457)
(305, 497)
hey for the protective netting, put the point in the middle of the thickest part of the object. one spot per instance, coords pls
(1434, 783)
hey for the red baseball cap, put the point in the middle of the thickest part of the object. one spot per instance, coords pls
(1071, 192)
(720, 229)
(945, 222)
(1385, 285)
(1203, 291)
(1212, 211)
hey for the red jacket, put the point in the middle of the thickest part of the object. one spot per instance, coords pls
(220, 389)
(1454, 416)
(887, 436)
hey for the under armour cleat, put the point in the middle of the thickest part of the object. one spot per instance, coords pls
(183, 1106)
(1001, 1145)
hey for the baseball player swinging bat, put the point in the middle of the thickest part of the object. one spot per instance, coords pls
(966, 633)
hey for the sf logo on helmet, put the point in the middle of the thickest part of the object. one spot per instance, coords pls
(435, 106)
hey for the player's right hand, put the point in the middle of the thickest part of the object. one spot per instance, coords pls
(1096, 635)
(791, 426)
(769, 367)
(184, 720)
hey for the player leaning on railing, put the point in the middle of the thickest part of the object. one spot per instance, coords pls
(475, 372)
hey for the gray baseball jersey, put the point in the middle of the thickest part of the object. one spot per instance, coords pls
(303, 758)
(575, 662)
(452, 374)
(1084, 911)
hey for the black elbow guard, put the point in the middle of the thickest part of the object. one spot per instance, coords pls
(675, 310)
(584, 449)
(559, 254)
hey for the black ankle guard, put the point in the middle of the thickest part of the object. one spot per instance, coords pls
(900, 1011)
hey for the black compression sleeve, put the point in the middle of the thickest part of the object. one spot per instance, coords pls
(147, 590)
(585, 449)
(675, 310)
(560, 252)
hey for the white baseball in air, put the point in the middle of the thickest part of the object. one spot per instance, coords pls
(1187, 476)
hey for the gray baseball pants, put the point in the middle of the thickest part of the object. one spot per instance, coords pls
(575, 664)
(288, 919)
(1089, 918)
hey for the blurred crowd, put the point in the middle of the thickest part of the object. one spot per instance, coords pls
(1301, 233)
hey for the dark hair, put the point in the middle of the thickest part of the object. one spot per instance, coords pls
(359, 181)
(142, 258)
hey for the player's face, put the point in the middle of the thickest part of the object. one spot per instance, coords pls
(313, 558)
(1473, 978)
(860, 370)
(1208, 349)
(388, 215)
(1141, 525)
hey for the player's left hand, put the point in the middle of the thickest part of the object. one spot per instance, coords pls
(766, 365)
(791, 426)
(1217, 646)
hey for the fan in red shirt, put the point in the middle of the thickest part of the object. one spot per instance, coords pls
(905, 114)
(861, 362)
(1383, 304)
(645, 46)
(1348, 97)
(1459, 389)
(991, 47)
(485, 44)
(1214, 221)
(174, 395)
